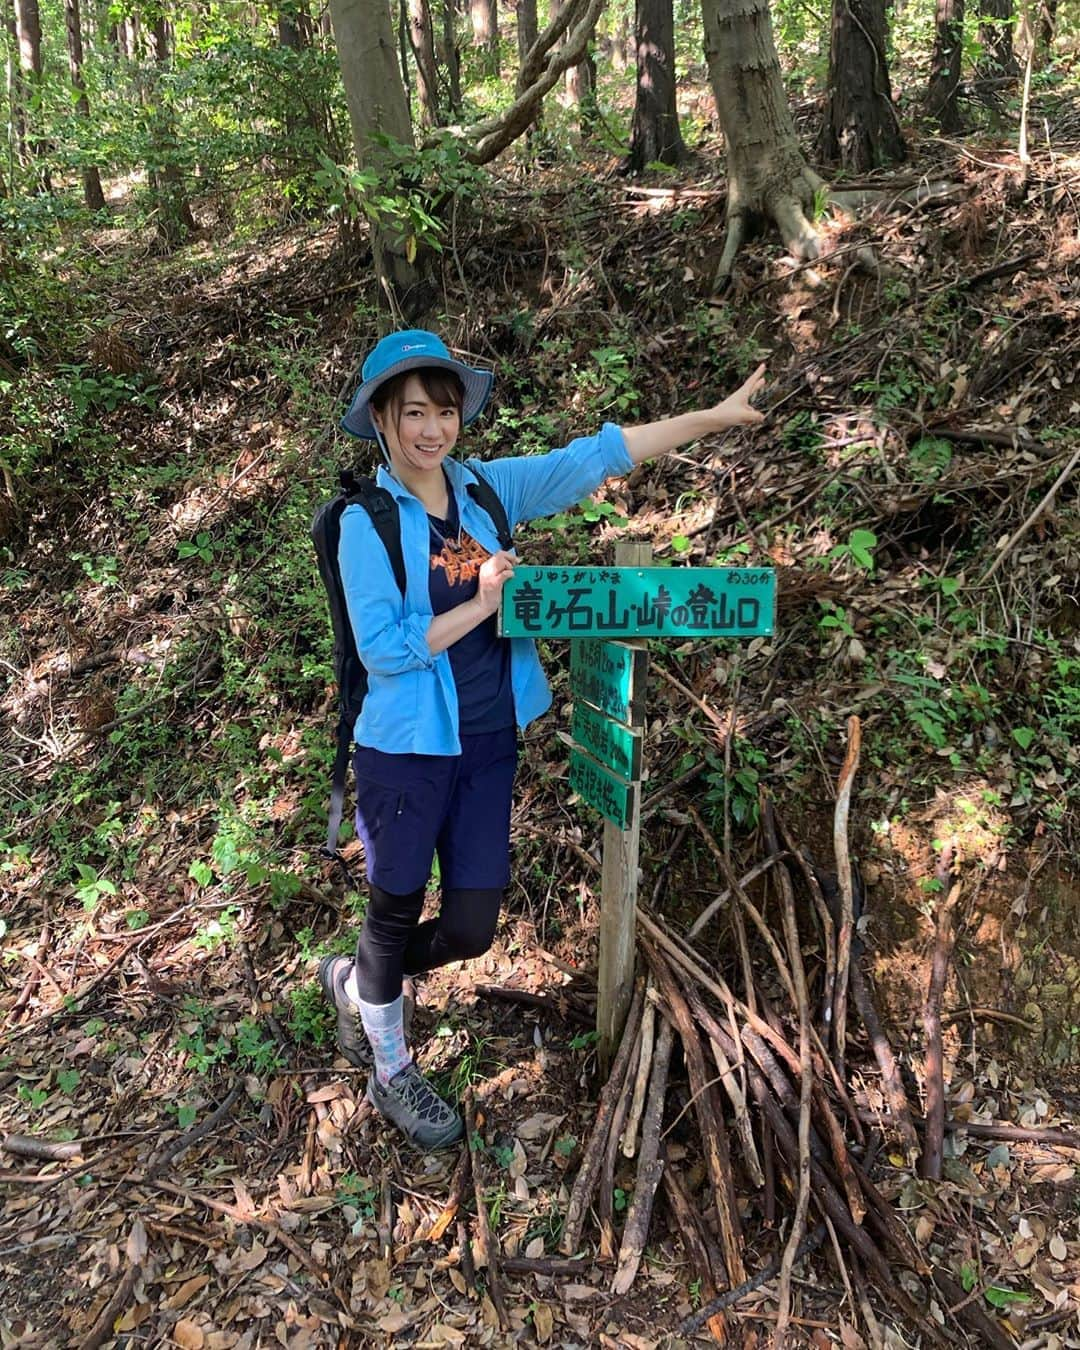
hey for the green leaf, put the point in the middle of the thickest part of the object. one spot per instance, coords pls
(680, 543)
(1023, 736)
(999, 1297)
(200, 873)
(185, 1116)
(67, 1080)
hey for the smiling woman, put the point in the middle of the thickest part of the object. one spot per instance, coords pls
(437, 734)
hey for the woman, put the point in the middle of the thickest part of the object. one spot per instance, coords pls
(437, 737)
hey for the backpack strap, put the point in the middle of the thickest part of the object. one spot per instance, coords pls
(484, 495)
(382, 510)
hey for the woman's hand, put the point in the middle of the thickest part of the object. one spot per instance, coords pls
(493, 576)
(736, 410)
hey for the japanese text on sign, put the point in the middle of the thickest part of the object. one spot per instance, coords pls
(605, 793)
(610, 676)
(639, 602)
(616, 747)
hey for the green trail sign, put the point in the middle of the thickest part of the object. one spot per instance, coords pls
(673, 602)
(610, 676)
(616, 747)
(615, 799)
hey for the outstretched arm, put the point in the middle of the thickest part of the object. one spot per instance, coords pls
(657, 438)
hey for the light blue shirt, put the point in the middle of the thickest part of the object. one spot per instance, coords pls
(411, 704)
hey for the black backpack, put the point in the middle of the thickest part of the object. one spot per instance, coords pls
(352, 680)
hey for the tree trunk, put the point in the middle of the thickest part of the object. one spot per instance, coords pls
(861, 129)
(942, 101)
(528, 30)
(581, 89)
(768, 177)
(484, 15)
(377, 104)
(998, 66)
(451, 56)
(296, 33)
(655, 134)
(28, 29)
(422, 42)
(95, 198)
(16, 93)
(1047, 24)
(174, 219)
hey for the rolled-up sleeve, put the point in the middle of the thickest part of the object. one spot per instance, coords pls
(541, 485)
(389, 641)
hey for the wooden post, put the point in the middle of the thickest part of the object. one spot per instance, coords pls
(618, 895)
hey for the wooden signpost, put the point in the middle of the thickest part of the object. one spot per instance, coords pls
(594, 607)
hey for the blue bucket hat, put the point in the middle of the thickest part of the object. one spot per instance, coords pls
(411, 350)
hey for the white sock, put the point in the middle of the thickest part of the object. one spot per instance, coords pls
(352, 989)
(386, 1033)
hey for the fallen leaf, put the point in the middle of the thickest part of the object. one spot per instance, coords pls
(137, 1245)
(393, 1322)
(186, 1292)
(1058, 1249)
(535, 1249)
(851, 1338)
(538, 1126)
(134, 1317)
(188, 1336)
(248, 1260)
(543, 1323)
(444, 1334)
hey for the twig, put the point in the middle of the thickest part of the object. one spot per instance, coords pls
(843, 872)
(758, 870)
(589, 1171)
(197, 1132)
(32, 980)
(458, 1186)
(102, 1330)
(1017, 535)
(252, 982)
(606, 1200)
(650, 1167)
(559, 1005)
(483, 1219)
(545, 1265)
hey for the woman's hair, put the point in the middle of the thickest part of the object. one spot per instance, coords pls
(443, 387)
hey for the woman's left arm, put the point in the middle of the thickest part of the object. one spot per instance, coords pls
(657, 438)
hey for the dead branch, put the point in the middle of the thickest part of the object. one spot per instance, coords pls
(691, 1230)
(456, 1198)
(843, 872)
(559, 1005)
(1051, 492)
(806, 1078)
(484, 1234)
(641, 1081)
(589, 1171)
(23, 1146)
(934, 1137)
(891, 1082)
(205, 1127)
(758, 870)
(650, 1167)
(606, 1201)
(34, 977)
(102, 1330)
(710, 1121)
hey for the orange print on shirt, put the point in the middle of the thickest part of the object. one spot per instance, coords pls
(460, 564)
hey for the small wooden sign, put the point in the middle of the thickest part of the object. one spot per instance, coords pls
(613, 797)
(617, 747)
(610, 676)
(674, 602)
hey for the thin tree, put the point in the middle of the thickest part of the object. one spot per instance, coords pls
(173, 212)
(768, 176)
(95, 198)
(31, 69)
(942, 94)
(998, 66)
(378, 108)
(581, 81)
(422, 43)
(451, 56)
(861, 130)
(484, 15)
(655, 135)
(16, 93)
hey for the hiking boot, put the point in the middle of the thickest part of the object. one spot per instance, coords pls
(353, 1043)
(416, 1109)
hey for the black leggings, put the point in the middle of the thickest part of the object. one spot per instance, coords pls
(394, 943)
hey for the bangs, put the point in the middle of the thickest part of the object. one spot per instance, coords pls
(443, 387)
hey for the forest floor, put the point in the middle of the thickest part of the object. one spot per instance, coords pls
(167, 720)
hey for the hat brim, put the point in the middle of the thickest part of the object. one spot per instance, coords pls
(357, 421)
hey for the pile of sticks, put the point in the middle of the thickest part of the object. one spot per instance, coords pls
(768, 1095)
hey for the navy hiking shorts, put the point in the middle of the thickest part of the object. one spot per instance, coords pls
(411, 807)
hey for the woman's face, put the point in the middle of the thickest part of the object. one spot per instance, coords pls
(419, 433)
